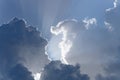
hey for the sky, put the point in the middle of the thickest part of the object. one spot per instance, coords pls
(59, 39)
(44, 13)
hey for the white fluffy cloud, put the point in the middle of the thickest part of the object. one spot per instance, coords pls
(66, 32)
(89, 22)
(69, 32)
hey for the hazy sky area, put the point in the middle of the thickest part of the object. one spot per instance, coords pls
(59, 39)
(44, 13)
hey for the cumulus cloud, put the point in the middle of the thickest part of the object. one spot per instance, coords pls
(19, 72)
(88, 43)
(97, 48)
(55, 70)
(22, 44)
(93, 46)
(68, 32)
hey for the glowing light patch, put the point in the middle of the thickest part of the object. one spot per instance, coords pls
(65, 44)
(37, 76)
(68, 30)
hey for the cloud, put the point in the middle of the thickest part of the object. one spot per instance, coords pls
(112, 69)
(68, 32)
(94, 48)
(55, 70)
(112, 72)
(115, 4)
(22, 44)
(113, 17)
(19, 72)
(68, 35)
(89, 22)
(91, 45)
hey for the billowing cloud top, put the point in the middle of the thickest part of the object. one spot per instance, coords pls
(21, 44)
(55, 70)
(19, 72)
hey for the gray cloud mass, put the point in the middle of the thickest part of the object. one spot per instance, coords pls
(55, 70)
(21, 44)
(19, 72)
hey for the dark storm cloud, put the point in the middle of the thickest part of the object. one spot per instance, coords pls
(55, 70)
(20, 43)
(19, 72)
